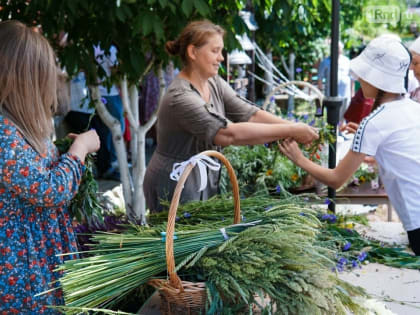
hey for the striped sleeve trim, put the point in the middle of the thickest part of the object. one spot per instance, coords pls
(358, 137)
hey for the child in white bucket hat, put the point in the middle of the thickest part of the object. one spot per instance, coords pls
(391, 133)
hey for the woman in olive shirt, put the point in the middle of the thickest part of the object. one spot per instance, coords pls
(200, 111)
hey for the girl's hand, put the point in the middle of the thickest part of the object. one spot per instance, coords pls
(304, 133)
(84, 143)
(290, 148)
(351, 127)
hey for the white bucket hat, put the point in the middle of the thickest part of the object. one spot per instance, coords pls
(384, 63)
(415, 46)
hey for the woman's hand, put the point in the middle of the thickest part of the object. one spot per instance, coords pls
(304, 133)
(84, 143)
(290, 148)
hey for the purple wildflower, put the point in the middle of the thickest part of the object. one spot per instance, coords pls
(278, 189)
(312, 122)
(272, 99)
(302, 214)
(319, 111)
(305, 117)
(331, 218)
(298, 70)
(362, 256)
(327, 201)
(177, 219)
(103, 100)
(187, 215)
(354, 263)
(346, 246)
(266, 145)
(342, 261)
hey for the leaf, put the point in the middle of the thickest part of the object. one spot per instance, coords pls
(157, 27)
(120, 14)
(202, 7)
(163, 3)
(187, 7)
(147, 24)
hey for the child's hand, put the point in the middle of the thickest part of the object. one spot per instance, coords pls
(304, 133)
(351, 127)
(290, 148)
(84, 143)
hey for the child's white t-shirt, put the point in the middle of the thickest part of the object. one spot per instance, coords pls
(391, 134)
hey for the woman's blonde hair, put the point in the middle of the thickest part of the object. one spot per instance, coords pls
(28, 82)
(195, 33)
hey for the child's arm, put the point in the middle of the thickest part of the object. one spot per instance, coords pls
(334, 178)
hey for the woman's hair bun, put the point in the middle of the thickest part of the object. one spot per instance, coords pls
(172, 47)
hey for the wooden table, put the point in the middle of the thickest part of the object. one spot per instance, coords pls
(363, 194)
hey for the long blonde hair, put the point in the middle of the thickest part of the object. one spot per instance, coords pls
(28, 82)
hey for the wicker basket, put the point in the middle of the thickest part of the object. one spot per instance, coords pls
(183, 297)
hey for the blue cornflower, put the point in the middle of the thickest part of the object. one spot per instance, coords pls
(272, 99)
(187, 215)
(103, 100)
(354, 263)
(312, 122)
(302, 214)
(327, 201)
(362, 256)
(177, 219)
(342, 261)
(266, 145)
(298, 70)
(346, 246)
(290, 115)
(278, 189)
(339, 267)
(319, 110)
(305, 117)
(268, 208)
(331, 218)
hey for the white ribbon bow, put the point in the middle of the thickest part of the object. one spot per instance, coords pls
(202, 161)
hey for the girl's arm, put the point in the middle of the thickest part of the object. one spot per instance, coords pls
(334, 178)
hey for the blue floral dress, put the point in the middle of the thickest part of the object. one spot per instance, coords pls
(35, 225)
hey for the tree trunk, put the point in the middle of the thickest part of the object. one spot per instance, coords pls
(114, 125)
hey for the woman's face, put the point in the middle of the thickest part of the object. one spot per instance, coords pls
(207, 58)
(369, 91)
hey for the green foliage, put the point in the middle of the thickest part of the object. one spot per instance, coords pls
(85, 206)
(354, 249)
(138, 28)
(295, 26)
(263, 169)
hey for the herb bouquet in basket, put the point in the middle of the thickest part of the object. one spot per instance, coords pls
(271, 262)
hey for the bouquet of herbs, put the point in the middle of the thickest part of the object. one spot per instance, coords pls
(265, 169)
(274, 253)
(85, 206)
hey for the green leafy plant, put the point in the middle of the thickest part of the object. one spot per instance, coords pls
(85, 206)
(262, 168)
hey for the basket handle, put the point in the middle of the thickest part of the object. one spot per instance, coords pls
(174, 280)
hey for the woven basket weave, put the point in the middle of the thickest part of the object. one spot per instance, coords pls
(183, 297)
